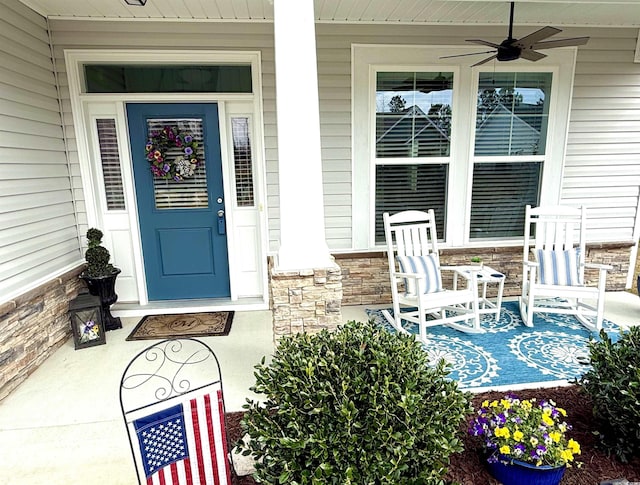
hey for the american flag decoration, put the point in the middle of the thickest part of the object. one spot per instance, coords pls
(184, 443)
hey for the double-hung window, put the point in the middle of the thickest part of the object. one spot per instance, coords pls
(476, 144)
(412, 143)
(511, 124)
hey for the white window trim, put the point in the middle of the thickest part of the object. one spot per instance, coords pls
(368, 59)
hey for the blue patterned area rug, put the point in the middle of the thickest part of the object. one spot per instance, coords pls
(511, 356)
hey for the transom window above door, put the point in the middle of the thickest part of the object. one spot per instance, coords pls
(180, 78)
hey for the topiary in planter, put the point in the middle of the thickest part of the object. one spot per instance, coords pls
(613, 383)
(97, 256)
(356, 406)
(100, 277)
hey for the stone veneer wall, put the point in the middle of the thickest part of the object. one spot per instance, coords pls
(365, 276)
(33, 326)
(305, 300)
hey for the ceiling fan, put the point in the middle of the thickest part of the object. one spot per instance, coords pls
(525, 48)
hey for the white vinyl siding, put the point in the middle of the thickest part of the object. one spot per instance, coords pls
(602, 163)
(602, 150)
(38, 231)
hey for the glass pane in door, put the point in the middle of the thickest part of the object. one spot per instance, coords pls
(182, 184)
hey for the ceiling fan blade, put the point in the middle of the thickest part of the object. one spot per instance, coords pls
(484, 61)
(464, 55)
(531, 55)
(561, 43)
(483, 42)
(536, 37)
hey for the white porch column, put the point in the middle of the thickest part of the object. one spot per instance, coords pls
(302, 237)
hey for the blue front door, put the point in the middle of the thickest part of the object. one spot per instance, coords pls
(178, 180)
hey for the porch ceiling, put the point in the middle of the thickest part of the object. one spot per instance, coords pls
(605, 13)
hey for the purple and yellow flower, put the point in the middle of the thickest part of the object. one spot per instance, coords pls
(539, 451)
(531, 430)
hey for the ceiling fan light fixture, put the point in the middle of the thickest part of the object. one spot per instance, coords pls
(508, 52)
(136, 3)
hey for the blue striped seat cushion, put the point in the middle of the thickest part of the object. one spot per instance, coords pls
(558, 267)
(427, 265)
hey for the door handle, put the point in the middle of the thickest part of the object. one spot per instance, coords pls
(221, 225)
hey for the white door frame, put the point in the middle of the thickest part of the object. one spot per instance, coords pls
(83, 107)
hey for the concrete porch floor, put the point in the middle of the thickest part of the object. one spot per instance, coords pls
(64, 426)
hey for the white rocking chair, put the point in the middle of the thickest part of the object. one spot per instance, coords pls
(414, 261)
(553, 267)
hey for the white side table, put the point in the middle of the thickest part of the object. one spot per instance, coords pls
(486, 275)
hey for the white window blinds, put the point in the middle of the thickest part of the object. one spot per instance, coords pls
(110, 160)
(240, 130)
(410, 187)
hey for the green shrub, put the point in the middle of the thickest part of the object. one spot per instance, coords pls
(356, 406)
(613, 384)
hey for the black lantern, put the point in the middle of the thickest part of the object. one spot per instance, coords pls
(86, 321)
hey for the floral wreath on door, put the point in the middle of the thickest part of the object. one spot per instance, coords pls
(172, 154)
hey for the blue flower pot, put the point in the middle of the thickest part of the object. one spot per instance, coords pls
(520, 473)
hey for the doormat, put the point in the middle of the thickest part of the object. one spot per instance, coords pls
(509, 355)
(182, 325)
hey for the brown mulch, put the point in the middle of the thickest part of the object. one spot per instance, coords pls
(467, 469)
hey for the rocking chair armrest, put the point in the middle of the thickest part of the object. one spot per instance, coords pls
(601, 267)
(470, 275)
(415, 276)
(529, 268)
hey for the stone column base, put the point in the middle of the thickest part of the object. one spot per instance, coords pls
(306, 300)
